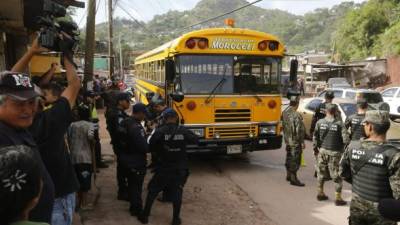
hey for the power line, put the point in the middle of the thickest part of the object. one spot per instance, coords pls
(85, 13)
(132, 17)
(133, 9)
(219, 16)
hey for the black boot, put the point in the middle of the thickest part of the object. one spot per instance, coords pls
(177, 221)
(287, 176)
(294, 181)
(143, 219)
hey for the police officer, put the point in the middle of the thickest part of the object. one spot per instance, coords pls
(320, 111)
(133, 155)
(372, 165)
(115, 118)
(169, 141)
(294, 133)
(159, 107)
(353, 122)
(330, 137)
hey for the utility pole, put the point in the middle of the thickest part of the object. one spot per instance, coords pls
(90, 44)
(121, 64)
(110, 39)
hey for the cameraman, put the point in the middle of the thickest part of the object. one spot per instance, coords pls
(49, 128)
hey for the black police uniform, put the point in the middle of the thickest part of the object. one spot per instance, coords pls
(114, 121)
(354, 123)
(169, 142)
(133, 160)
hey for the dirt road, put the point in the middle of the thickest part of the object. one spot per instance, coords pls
(246, 190)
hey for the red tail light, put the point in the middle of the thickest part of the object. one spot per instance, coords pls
(191, 105)
(262, 45)
(191, 43)
(272, 104)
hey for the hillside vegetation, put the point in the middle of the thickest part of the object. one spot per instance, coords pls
(351, 31)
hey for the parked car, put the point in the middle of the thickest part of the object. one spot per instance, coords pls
(338, 82)
(392, 97)
(347, 107)
(374, 98)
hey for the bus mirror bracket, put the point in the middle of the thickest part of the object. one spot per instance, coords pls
(169, 70)
(177, 96)
(294, 65)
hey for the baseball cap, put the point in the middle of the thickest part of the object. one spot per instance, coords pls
(293, 96)
(169, 113)
(377, 117)
(18, 86)
(124, 96)
(362, 102)
(139, 107)
(157, 99)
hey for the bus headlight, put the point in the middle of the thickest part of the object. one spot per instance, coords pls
(268, 130)
(198, 131)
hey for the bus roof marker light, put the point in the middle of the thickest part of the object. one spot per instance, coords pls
(272, 104)
(229, 22)
(203, 43)
(262, 46)
(191, 43)
(191, 105)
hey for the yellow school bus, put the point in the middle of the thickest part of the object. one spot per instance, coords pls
(223, 82)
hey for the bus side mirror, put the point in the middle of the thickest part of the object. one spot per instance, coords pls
(294, 65)
(169, 70)
(177, 96)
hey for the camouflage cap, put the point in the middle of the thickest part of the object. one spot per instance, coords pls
(377, 117)
(331, 106)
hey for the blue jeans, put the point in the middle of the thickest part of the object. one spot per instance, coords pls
(63, 210)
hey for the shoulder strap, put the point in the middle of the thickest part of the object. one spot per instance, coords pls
(368, 155)
(326, 132)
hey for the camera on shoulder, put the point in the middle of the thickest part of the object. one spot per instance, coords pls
(59, 36)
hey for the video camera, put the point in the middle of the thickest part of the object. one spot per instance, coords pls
(59, 36)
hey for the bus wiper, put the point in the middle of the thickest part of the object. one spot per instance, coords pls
(222, 81)
(257, 97)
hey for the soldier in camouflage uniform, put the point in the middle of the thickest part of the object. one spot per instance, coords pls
(329, 140)
(294, 133)
(353, 123)
(372, 166)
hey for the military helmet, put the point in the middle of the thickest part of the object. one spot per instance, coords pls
(329, 94)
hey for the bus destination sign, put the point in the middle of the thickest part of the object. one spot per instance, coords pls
(233, 44)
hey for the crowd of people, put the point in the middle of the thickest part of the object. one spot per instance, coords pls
(355, 150)
(50, 146)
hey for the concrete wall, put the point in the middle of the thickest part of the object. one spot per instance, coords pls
(393, 69)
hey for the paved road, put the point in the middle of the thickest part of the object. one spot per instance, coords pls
(262, 176)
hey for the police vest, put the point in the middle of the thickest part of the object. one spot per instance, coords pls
(331, 136)
(356, 127)
(371, 181)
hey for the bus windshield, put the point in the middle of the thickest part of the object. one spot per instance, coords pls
(201, 74)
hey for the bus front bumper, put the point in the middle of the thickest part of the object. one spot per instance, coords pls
(236, 146)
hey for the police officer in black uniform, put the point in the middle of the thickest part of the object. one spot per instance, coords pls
(320, 111)
(115, 118)
(354, 122)
(133, 155)
(169, 141)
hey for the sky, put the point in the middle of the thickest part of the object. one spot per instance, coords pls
(145, 10)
